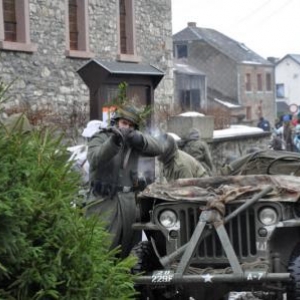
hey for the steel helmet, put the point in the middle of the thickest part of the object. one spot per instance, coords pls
(127, 112)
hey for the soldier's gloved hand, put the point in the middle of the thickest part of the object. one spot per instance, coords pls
(117, 136)
(125, 132)
(136, 140)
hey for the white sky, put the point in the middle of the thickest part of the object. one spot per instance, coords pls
(267, 27)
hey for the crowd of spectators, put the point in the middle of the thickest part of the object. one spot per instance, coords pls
(286, 133)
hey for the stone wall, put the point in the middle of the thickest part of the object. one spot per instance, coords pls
(237, 146)
(182, 125)
(47, 77)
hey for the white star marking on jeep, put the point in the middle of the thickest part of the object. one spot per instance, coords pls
(207, 277)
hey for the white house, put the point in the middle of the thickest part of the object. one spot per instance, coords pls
(287, 77)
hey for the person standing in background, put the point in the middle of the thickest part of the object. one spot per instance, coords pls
(197, 148)
(264, 124)
(287, 133)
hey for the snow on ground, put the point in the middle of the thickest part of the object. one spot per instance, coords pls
(237, 130)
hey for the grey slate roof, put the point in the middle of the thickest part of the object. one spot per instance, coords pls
(231, 48)
(282, 107)
(214, 94)
(116, 67)
(295, 57)
(96, 70)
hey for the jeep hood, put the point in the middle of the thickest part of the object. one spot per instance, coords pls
(286, 188)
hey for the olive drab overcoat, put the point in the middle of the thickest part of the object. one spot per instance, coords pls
(194, 146)
(182, 165)
(117, 166)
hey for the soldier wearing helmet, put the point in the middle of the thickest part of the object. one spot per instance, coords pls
(198, 148)
(113, 154)
(176, 163)
(129, 113)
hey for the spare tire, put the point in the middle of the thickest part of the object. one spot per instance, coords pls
(147, 261)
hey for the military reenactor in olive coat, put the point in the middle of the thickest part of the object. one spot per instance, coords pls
(178, 164)
(113, 155)
(197, 148)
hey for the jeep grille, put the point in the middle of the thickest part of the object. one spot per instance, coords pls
(241, 231)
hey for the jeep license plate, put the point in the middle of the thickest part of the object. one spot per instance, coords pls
(162, 276)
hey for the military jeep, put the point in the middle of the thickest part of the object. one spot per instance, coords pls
(207, 237)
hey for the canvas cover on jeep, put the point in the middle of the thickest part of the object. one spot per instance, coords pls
(220, 190)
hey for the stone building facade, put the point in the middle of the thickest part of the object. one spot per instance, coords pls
(43, 64)
(236, 146)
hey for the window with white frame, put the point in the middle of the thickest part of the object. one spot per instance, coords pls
(280, 90)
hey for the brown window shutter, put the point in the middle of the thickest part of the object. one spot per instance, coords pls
(269, 84)
(248, 82)
(73, 24)
(10, 23)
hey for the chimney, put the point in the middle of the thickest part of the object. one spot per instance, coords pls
(272, 59)
(192, 24)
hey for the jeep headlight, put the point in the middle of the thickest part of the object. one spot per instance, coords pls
(168, 218)
(268, 216)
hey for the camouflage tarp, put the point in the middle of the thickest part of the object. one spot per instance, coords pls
(225, 189)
